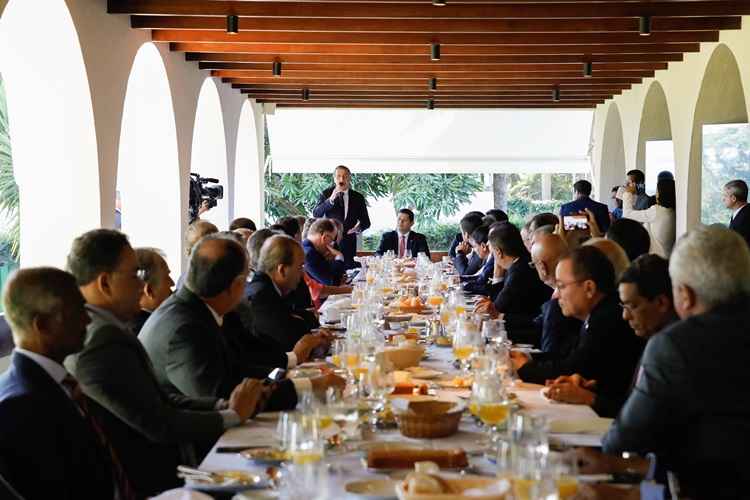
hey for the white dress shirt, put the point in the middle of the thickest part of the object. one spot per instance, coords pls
(659, 221)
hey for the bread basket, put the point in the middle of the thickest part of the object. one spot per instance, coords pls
(429, 419)
(404, 357)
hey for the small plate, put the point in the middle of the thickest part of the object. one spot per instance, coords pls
(264, 456)
(423, 373)
(230, 485)
(375, 489)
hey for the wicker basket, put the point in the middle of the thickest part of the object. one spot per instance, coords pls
(429, 424)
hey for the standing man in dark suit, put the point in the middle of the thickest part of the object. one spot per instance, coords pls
(153, 431)
(734, 197)
(343, 203)
(49, 447)
(582, 190)
(403, 241)
(607, 350)
(698, 426)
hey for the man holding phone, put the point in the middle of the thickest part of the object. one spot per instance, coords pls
(348, 206)
(573, 213)
(636, 184)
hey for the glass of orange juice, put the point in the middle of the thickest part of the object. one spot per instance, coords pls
(466, 343)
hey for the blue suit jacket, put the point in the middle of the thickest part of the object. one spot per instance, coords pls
(49, 449)
(415, 243)
(600, 210)
(481, 284)
(321, 269)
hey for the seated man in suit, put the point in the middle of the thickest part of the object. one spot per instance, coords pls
(698, 426)
(518, 293)
(195, 231)
(153, 431)
(459, 236)
(558, 334)
(279, 272)
(403, 242)
(607, 349)
(734, 197)
(186, 338)
(646, 296)
(583, 201)
(48, 444)
(466, 261)
(157, 283)
(480, 282)
(323, 262)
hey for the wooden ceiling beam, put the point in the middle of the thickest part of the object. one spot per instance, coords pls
(430, 70)
(392, 10)
(436, 100)
(442, 76)
(424, 93)
(397, 105)
(411, 86)
(252, 50)
(329, 37)
(438, 26)
(266, 77)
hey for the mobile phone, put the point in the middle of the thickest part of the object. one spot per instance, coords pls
(276, 375)
(573, 222)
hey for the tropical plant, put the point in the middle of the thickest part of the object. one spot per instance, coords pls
(9, 198)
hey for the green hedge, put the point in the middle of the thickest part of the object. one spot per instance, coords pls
(522, 209)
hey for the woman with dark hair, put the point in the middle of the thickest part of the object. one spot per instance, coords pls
(659, 219)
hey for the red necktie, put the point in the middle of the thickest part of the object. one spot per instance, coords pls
(79, 398)
(401, 246)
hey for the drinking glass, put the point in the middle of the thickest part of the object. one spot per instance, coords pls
(493, 330)
(338, 349)
(494, 407)
(306, 443)
(466, 343)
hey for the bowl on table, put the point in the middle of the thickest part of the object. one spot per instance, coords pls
(403, 356)
(428, 419)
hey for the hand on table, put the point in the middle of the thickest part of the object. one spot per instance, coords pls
(486, 306)
(519, 359)
(305, 345)
(248, 398)
(571, 393)
(322, 383)
(574, 379)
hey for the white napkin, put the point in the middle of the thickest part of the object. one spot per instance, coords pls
(497, 488)
(182, 494)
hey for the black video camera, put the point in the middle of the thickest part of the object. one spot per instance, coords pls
(199, 192)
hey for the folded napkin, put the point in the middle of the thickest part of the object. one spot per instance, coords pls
(594, 425)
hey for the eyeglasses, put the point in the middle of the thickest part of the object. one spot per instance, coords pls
(562, 286)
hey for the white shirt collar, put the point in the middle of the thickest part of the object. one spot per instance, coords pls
(219, 319)
(400, 235)
(53, 368)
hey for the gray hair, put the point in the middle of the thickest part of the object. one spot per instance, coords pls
(255, 243)
(276, 251)
(148, 261)
(37, 291)
(738, 189)
(714, 262)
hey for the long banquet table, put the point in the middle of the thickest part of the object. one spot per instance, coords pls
(346, 467)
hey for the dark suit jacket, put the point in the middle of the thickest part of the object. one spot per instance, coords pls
(357, 213)
(415, 243)
(697, 423)
(274, 318)
(481, 284)
(49, 450)
(521, 293)
(152, 431)
(607, 351)
(600, 210)
(456, 240)
(467, 266)
(240, 330)
(559, 333)
(321, 269)
(192, 356)
(741, 223)
(137, 323)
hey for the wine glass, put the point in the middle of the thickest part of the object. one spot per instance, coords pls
(375, 386)
(466, 343)
(494, 407)
(493, 331)
(306, 443)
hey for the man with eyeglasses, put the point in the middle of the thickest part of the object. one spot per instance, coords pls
(607, 350)
(646, 299)
(323, 263)
(151, 430)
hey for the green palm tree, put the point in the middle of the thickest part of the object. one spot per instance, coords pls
(9, 200)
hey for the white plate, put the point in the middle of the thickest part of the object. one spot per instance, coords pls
(225, 487)
(375, 489)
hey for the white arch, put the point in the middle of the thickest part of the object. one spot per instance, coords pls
(148, 172)
(612, 163)
(248, 170)
(52, 129)
(209, 155)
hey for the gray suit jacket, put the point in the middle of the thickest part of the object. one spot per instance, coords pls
(150, 425)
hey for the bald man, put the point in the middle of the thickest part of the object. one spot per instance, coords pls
(559, 334)
(49, 449)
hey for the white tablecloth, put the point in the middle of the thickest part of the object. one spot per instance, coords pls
(348, 466)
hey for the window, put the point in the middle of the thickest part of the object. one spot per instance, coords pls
(9, 218)
(726, 156)
(659, 158)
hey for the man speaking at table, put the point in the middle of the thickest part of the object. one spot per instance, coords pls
(343, 203)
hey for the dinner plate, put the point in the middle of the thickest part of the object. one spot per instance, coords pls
(230, 485)
(374, 489)
(423, 373)
(264, 456)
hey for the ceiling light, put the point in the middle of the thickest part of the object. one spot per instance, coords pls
(430, 104)
(233, 25)
(644, 25)
(588, 69)
(433, 83)
(556, 94)
(435, 51)
(305, 94)
(439, 3)
(277, 68)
